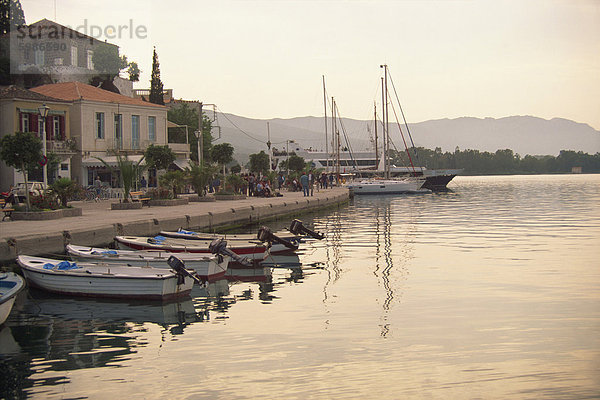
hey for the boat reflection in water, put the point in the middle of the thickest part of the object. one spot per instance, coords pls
(57, 333)
(50, 334)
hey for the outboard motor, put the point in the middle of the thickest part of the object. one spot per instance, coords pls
(219, 246)
(297, 228)
(179, 267)
(265, 235)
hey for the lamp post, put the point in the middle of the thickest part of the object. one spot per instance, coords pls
(200, 143)
(43, 110)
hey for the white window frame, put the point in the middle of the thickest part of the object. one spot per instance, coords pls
(74, 58)
(90, 59)
(152, 128)
(135, 131)
(25, 122)
(40, 58)
(56, 127)
(118, 130)
(100, 124)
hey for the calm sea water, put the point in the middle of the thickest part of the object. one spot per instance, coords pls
(490, 291)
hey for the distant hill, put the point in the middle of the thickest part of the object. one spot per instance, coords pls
(522, 134)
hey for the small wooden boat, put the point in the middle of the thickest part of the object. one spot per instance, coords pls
(250, 249)
(10, 285)
(205, 266)
(103, 279)
(231, 238)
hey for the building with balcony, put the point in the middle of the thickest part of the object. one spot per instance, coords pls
(19, 112)
(104, 123)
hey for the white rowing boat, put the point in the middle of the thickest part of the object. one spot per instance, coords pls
(10, 285)
(249, 249)
(231, 238)
(103, 279)
(205, 266)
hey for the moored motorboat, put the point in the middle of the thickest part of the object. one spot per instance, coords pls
(231, 238)
(250, 249)
(10, 285)
(205, 266)
(103, 279)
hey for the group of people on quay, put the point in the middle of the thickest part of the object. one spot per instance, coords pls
(262, 186)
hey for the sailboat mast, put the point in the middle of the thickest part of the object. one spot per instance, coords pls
(332, 130)
(269, 147)
(387, 127)
(337, 137)
(375, 119)
(325, 106)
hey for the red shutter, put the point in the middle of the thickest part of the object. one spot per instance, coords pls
(33, 123)
(61, 120)
(48, 128)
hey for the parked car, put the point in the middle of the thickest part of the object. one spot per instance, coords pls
(35, 188)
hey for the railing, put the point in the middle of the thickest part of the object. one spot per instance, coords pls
(61, 146)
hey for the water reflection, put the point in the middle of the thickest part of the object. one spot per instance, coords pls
(492, 289)
(374, 236)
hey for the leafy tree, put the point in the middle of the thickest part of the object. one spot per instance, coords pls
(296, 163)
(134, 72)
(183, 114)
(236, 169)
(107, 60)
(222, 154)
(11, 15)
(206, 139)
(159, 157)
(128, 172)
(21, 151)
(65, 189)
(173, 180)
(199, 177)
(108, 63)
(156, 85)
(36, 171)
(259, 162)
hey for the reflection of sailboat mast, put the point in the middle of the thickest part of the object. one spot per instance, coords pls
(387, 256)
(333, 273)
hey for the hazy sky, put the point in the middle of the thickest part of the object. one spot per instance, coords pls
(266, 59)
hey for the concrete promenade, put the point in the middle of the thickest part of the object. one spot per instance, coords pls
(98, 224)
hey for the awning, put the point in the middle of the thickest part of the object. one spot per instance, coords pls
(91, 162)
(182, 164)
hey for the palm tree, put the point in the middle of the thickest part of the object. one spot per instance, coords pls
(129, 173)
(199, 176)
(65, 188)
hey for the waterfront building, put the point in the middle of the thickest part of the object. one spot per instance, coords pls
(19, 112)
(104, 122)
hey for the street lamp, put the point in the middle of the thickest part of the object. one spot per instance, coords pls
(200, 144)
(43, 110)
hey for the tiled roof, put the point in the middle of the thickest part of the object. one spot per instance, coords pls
(77, 90)
(15, 92)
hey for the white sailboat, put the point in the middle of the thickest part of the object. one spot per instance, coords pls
(387, 185)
